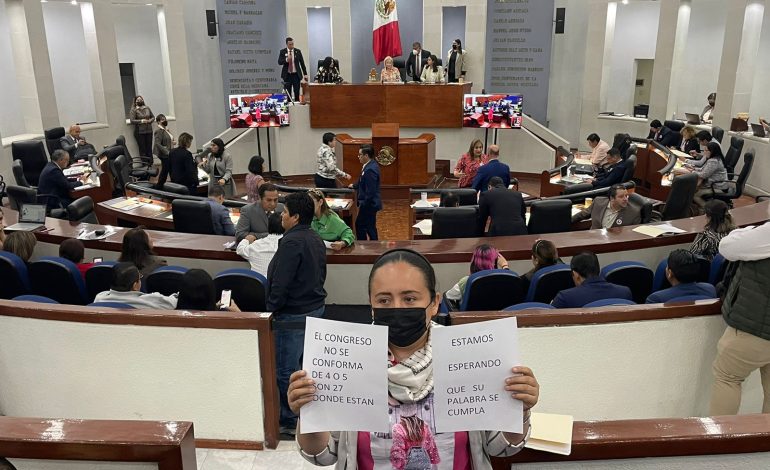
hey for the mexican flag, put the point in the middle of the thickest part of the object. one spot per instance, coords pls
(386, 40)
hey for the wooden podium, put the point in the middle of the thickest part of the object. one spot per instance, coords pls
(403, 162)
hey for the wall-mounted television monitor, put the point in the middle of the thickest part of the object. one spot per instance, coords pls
(495, 111)
(262, 110)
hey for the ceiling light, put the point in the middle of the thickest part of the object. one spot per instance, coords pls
(74, 2)
(625, 2)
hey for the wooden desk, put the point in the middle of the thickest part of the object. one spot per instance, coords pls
(415, 163)
(410, 105)
(170, 444)
(150, 213)
(102, 190)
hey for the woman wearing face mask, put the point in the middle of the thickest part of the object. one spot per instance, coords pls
(402, 292)
(218, 163)
(455, 62)
(141, 118)
(162, 143)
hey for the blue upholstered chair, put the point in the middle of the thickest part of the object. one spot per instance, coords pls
(549, 281)
(165, 279)
(13, 272)
(492, 289)
(608, 302)
(111, 305)
(528, 306)
(632, 274)
(99, 278)
(248, 288)
(58, 279)
(717, 271)
(689, 298)
(35, 298)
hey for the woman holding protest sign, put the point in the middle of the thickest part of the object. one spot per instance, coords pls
(402, 292)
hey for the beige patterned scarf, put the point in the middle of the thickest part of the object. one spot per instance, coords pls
(412, 379)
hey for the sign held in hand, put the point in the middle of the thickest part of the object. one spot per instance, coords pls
(470, 365)
(348, 363)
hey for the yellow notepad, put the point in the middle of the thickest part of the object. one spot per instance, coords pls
(551, 433)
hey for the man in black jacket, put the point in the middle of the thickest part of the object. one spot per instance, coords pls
(414, 63)
(53, 183)
(295, 290)
(505, 207)
(662, 134)
(613, 172)
(293, 70)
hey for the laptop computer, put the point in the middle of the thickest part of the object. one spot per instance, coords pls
(692, 118)
(31, 218)
(759, 130)
(739, 125)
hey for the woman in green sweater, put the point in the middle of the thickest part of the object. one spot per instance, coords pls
(328, 225)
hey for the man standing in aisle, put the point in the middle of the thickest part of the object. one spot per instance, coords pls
(367, 194)
(294, 70)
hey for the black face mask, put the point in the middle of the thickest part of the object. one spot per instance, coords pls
(405, 325)
(454, 46)
(140, 103)
(164, 123)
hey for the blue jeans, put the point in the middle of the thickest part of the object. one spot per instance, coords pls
(289, 344)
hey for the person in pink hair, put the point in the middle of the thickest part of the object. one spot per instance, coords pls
(484, 257)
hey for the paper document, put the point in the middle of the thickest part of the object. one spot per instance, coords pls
(337, 204)
(425, 226)
(658, 230)
(470, 365)
(575, 210)
(551, 433)
(348, 362)
(156, 207)
(328, 244)
(426, 204)
(132, 201)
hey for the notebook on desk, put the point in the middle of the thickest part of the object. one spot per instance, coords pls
(759, 130)
(31, 218)
(692, 118)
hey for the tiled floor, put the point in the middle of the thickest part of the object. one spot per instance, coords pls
(285, 457)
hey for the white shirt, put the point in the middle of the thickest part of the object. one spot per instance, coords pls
(747, 244)
(260, 252)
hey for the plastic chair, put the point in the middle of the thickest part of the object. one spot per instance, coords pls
(608, 302)
(492, 289)
(528, 306)
(632, 274)
(59, 279)
(165, 279)
(35, 298)
(111, 305)
(99, 278)
(549, 281)
(14, 275)
(248, 288)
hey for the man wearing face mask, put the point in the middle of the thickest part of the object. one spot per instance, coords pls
(415, 62)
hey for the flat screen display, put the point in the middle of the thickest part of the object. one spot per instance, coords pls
(497, 111)
(262, 110)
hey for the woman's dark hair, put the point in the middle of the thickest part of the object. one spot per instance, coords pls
(459, 45)
(136, 97)
(434, 60)
(718, 218)
(256, 165)
(72, 249)
(328, 138)
(545, 253)
(136, 248)
(715, 150)
(185, 140)
(197, 291)
(712, 96)
(220, 147)
(328, 64)
(160, 118)
(410, 257)
(300, 204)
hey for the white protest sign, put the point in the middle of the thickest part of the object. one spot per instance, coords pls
(349, 363)
(470, 365)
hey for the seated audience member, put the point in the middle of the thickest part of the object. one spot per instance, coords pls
(181, 164)
(689, 140)
(73, 250)
(220, 215)
(599, 149)
(21, 244)
(484, 257)
(53, 183)
(254, 178)
(328, 72)
(611, 211)
(390, 74)
(74, 143)
(682, 273)
(198, 293)
(259, 251)
(719, 223)
(612, 171)
(253, 219)
(704, 138)
(328, 172)
(137, 249)
(708, 112)
(662, 134)
(493, 167)
(125, 288)
(2, 228)
(328, 225)
(544, 254)
(590, 286)
(712, 174)
(432, 72)
(504, 207)
(450, 200)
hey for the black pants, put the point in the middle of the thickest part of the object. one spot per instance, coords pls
(366, 224)
(321, 182)
(164, 166)
(144, 141)
(292, 84)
